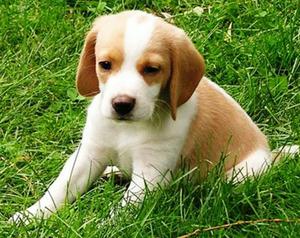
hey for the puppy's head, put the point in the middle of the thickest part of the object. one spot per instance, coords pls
(134, 58)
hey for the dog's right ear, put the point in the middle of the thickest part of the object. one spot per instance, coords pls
(86, 79)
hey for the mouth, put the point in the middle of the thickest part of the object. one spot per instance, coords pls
(123, 118)
(128, 117)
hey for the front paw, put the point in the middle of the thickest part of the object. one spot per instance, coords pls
(27, 216)
(23, 217)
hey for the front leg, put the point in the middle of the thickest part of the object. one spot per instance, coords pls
(150, 169)
(80, 170)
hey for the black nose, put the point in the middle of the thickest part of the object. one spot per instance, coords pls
(123, 104)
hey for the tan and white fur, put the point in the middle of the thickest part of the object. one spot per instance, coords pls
(178, 116)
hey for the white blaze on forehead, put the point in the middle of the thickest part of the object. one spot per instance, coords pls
(128, 81)
(138, 33)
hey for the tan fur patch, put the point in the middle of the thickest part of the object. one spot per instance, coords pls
(110, 43)
(220, 127)
(182, 66)
(156, 54)
(155, 58)
(86, 78)
(104, 42)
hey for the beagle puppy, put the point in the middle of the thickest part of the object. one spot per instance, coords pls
(153, 112)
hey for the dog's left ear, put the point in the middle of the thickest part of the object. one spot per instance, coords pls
(187, 70)
(86, 79)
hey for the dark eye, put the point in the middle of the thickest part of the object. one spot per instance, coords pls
(106, 65)
(151, 69)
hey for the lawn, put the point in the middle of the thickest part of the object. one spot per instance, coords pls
(251, 48)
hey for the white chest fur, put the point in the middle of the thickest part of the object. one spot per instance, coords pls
(124, 141)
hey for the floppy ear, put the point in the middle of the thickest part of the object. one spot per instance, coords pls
(187, 70)
(86, 79)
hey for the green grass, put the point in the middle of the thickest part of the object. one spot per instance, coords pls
(41, 117)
